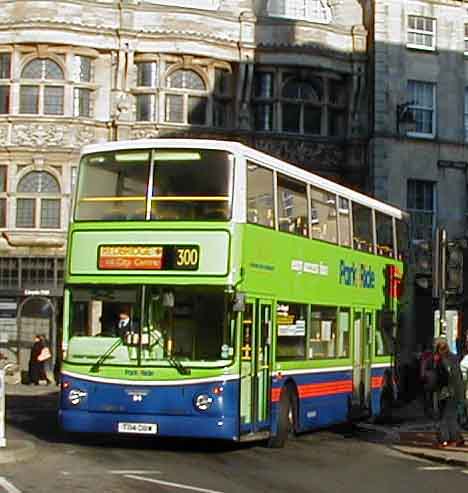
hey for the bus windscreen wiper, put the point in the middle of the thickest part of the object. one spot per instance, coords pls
(178, 365)
(105, 355)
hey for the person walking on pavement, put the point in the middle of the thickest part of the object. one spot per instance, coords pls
(44, 356)
(34, 363)
(450, 394)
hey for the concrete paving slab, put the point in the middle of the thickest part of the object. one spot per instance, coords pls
(17, 450)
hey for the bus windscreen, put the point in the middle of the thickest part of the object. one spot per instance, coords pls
(157, 185)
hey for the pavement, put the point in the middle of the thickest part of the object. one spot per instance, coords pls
(17, 448)
(409, 431)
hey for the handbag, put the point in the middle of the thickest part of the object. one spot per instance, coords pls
(45, 354)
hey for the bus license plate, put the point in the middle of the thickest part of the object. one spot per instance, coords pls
(142, 428)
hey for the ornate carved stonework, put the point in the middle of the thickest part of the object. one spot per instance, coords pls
(38, 135)
(145, 133)
(85, 135)
(309, 155)
(4, 135)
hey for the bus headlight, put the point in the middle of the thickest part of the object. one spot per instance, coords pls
(203, 402)
(75, 396)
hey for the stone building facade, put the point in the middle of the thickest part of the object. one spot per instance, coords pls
(285, 76)
(418, 53)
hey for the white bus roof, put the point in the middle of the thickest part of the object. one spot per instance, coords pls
(258, 156)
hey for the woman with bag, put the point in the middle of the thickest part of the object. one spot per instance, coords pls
(450, 394)
(44, 356)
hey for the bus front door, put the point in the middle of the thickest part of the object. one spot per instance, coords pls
(362, 359)
(255, 368)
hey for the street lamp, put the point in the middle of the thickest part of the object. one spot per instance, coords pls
(403, 114)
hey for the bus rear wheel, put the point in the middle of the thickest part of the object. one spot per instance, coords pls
(286, 420)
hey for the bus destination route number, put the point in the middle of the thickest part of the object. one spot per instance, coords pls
(148, 257)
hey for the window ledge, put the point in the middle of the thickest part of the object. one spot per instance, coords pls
(418, 135)
(422, 48)
(33, 239)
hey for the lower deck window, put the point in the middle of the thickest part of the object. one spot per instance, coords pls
(291, 323)
(329, 333)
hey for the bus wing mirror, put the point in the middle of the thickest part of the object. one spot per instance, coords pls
(238, 304)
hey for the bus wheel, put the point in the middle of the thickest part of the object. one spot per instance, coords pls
(286, 420)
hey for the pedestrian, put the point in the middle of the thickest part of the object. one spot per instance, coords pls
(428, 378)
(450, 394)
(34, 363)
(43, 359)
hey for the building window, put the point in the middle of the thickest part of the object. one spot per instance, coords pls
(301, 106)
(3, 189)
(465, 114)
(82, 102)
(306, 10)
(222, 98)
(186, 98)
(263, 101)
(305, 103)
(73, 176)
(466, 39)
(83, 93)
(85, 65)
(38, 202)
(147, 87)
(422, 96)
(421, 32)
(42, 88)
(5, 70)
(421, 206)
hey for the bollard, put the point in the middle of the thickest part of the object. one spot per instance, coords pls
(2, 408)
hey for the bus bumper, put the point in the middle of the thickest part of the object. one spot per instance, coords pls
(168, 426)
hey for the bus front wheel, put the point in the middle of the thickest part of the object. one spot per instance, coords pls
(286, 419)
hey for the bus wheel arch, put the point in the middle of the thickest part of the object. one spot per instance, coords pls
(287, 415)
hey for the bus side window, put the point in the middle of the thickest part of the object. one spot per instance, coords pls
(260, 195)
(362, 228)
(384, 229)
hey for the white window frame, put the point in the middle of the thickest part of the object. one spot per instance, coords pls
(311, 8)
(465, 39)
(424, 32)
(432, 212)
(414, 107)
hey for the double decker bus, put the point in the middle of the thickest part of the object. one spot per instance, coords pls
(259, 299)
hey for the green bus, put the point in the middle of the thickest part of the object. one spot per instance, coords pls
(215, 291)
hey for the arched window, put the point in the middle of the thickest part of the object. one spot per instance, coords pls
(42, 88)
(38, 201)
(302, 106)
(186, 98)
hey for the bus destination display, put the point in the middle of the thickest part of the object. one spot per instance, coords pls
(148, 257)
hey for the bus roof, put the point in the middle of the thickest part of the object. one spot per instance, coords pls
(258, 156)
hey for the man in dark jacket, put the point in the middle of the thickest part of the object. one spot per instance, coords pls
(451, 394)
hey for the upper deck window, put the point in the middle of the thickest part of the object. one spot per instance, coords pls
(384, 230)
(191, 185)
(260, 195)
(185, 184)
(362, 228)
(323, 215)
